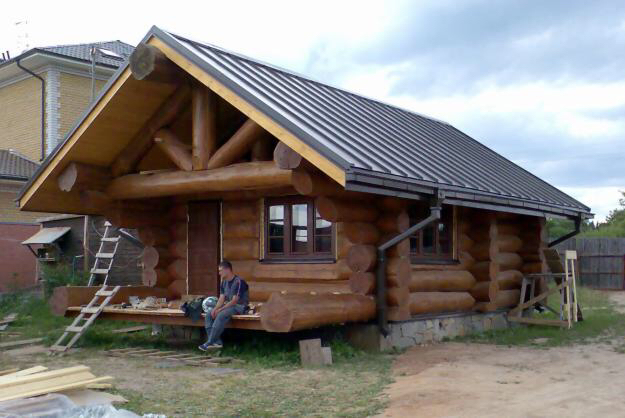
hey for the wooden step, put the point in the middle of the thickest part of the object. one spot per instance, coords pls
(91, 310)
(105, 293)
(99, 271)
(58, 348)
(74, 329)
(105, 255)
(110, 239)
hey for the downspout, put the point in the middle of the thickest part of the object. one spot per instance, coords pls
(380, 274)
(43, 108)
(578, 225)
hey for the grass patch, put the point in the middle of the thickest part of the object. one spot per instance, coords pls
(602, 323)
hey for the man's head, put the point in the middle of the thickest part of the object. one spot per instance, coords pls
(225, 270)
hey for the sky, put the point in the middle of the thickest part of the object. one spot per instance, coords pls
(540, 82)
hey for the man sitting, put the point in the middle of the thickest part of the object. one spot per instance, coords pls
(233, 300)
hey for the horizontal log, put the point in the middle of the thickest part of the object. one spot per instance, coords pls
(484, 251)
(398, 313)
(242, 176)
(401, 249)
(485, 291)
(66, 296)
(292, 312)
(391, 204)
(338, 210)
(178, 152)
(441, 280)
(239, 211)
(508, 261)
(508, 243)
(398, 271)
(362, 283)
(155, 277)
(532, 268)
(466, 260)
(393, 222)
(178, 249)
(509, 279)
(435, 302)
(261, 291)
(315, 184)
(398, 296)
(240, 248)
(484, 270)
(153, 236)
(148, 63)
(245, 268)
(343, 244)
(153, 257)
(361, 257)
(241, 229)
(508, 227)
(79, 176)
(178, 288)
(505, 299)
(361, 232)
(285, 158)
(177, 269)
(465, 243)
(314, 273)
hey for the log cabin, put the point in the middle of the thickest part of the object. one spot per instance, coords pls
(334, 207)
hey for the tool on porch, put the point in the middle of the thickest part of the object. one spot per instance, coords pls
(93, 310)
(105, 256)
(564, 276)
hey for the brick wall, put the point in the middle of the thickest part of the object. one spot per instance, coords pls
(8, 211)
(75, 95)
(18, 267)
(20, 117)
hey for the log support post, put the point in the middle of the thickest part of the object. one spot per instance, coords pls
(204, 134)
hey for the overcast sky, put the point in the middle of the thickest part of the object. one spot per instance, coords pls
(541, 82)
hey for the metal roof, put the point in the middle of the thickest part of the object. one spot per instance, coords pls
(47, 235)
(370, 139)
(16, 166)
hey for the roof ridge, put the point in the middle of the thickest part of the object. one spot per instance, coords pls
(306, 78)
(83, 44)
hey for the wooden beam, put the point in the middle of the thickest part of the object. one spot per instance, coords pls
(315, 184)
(80, 176)
(149, 63)
(139, 146)
(232, 178)
(177, 151)
(323, 163)
(204, 131)
(237, 146)
(285, 157)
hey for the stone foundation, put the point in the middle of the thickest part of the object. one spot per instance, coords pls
(426, 329)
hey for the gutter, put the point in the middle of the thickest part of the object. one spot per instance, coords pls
(578, 224)
(43, 106)
(380, 273)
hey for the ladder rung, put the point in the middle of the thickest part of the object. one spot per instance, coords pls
(105, 293)
(58, 348)
(74, 329)
(110, 239)
(99, 271)
(105, 255)
(91, 310)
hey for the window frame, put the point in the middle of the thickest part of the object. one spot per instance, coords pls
(437, 257)
(287, 256)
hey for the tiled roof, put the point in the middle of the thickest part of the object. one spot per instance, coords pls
(112, 53)
(16, 166)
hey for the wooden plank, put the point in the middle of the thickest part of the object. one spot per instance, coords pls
(299, 146)
(58, 387)
(131, 329)
(537, 321)
(11, 344)
(8, 371)
(48, 375)
(310, 352)
(25, 372)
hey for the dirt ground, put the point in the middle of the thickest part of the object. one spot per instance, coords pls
(478, 380)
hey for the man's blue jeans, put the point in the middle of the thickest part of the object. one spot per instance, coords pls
(215, 327)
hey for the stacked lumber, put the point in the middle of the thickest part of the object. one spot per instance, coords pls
(164, 257)
(496, 268)
(39, 381)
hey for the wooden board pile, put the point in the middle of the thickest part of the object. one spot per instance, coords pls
(190, 359)
(38, 380)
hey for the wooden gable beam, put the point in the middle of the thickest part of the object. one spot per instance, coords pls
(79, 176)
(237, 146)
(177, 151)
(310, 154)
(148, 63)
(204, 130)
(140, 145)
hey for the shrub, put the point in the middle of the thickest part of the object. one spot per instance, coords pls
(61, 275)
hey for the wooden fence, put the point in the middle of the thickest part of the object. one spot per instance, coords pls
(601, 261)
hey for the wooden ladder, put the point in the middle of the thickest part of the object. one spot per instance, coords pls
(104, 257)
(92, 310)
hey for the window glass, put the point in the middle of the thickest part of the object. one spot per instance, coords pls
(428, 240)
(299, 225)
(276, 229)
(434, 241)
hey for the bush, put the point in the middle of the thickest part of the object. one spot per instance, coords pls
(61, 275)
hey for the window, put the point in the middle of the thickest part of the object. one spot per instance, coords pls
(294, 230)
(434, 242)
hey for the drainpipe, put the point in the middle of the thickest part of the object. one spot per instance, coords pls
(380, 274)
(43, 108)
(578, 225)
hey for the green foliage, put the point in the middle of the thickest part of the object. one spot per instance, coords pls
(61, 275)
(34, 318)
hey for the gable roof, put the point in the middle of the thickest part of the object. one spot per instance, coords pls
(377, 147)
(120, 52)
(15, 166)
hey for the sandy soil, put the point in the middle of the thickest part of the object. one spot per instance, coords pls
(476, 380)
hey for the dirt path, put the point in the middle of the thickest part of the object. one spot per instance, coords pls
(474, 380)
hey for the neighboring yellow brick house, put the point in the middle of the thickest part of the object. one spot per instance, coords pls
(43, 91)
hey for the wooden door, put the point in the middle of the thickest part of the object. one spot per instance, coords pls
(203, 248)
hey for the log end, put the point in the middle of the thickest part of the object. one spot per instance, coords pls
(142, 61)
(276, 315)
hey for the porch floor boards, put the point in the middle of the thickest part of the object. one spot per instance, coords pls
(167, 316)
